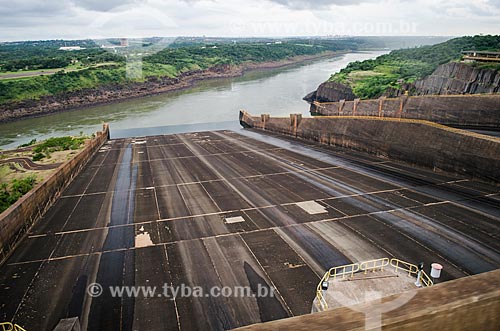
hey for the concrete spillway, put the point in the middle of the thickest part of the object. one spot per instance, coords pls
(216, 209)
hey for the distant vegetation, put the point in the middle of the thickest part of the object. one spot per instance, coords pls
(35, 87)
(77, 72)
(10, 193)
(29, 143)
(371, 78)
(189, 58)
(46, 55)
(55, 144)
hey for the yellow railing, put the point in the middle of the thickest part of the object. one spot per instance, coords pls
(405, 266)
(374, 265)
(412, 270)
(426, 280)
(321, 302)
(349, 270)
(345, 270)
(7, 326)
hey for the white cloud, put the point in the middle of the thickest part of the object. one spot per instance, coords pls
(317, 4)
(99, 5)
(33, 19)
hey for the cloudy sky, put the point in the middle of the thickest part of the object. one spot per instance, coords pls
(79, 19)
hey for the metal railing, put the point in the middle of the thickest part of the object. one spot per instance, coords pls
(348, 270)
(405, 266)
(321, 302)
(374, 265)
(8, 326)
(425, 279)
(412, 270)
(344, 270)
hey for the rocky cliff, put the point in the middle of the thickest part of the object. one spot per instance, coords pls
(331, 92)
(459, 78)
(449, 78)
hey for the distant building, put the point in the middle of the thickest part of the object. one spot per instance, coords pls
(478, 56)
(71, 48)
(124, 42)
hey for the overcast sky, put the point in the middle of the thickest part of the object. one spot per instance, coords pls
(81, 19)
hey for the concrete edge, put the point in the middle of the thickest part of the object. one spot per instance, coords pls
(468, 303)
(478, 95)
(418, 142)
(16, 221)
(423, 122)
(478, 111)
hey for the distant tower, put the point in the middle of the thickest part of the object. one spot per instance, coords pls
(124, 42)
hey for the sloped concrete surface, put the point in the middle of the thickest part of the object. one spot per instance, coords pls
(152, 211)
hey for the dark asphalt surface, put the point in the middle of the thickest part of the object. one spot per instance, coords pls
(151, 211)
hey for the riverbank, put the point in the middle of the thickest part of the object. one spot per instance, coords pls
(152, 86)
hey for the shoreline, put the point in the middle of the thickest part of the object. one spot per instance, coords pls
(82, 99)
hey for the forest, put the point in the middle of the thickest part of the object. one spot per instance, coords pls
(93, 66)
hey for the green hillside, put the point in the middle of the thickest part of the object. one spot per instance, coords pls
(370, 78)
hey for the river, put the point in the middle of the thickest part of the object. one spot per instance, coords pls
(209, 105)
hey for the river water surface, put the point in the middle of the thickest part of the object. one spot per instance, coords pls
(209, 105)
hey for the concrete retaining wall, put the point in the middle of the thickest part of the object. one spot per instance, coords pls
(475, 111)
(469, 303)
(15, 221)
(418, 142)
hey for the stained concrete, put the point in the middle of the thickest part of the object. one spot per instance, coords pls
(474, 111)
(417, 142)
(177, 192)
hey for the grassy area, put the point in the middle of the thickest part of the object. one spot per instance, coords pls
(371, 78)
(56, 144)
(23, 74)
(492, 66)
(35, 87)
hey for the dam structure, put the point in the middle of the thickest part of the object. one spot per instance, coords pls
(472, 111)
(270, 207)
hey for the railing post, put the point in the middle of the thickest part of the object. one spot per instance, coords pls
(402, 103)
(355, 106)
(381, 106)
(264, 118)
(341, 104)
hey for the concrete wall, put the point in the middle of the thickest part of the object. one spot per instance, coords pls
(68, 324)
(15, 221)
(418, 142)
(458, 78)
(481, 111)
(469, 303)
